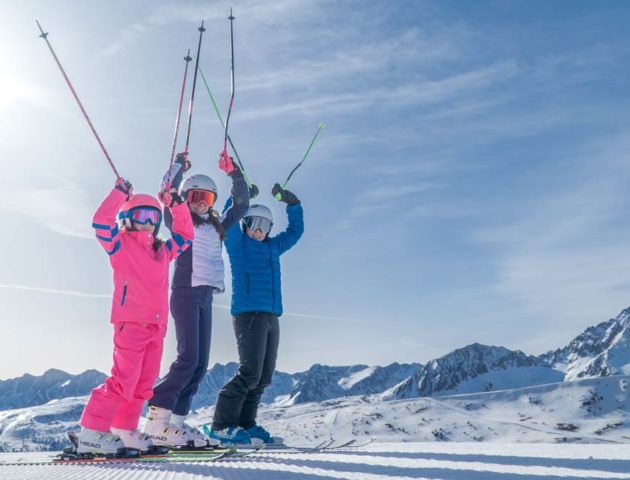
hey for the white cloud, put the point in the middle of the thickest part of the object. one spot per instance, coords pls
(406, 95)
(64, 208)
(72, 293)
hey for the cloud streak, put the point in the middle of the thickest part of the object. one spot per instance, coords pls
(53, 291)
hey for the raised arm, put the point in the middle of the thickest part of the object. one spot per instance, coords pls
(238, 203)
(182, 231)
(105, 222)
(174, 177)
(295, 214)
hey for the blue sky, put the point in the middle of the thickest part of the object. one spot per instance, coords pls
(471, 184)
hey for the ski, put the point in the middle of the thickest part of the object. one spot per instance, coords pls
(322, 447)
(351, 444)
(298, 449)
(180, 457)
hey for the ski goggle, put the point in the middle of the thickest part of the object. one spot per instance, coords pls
(198, 196)
(143, 215)
(258, 223)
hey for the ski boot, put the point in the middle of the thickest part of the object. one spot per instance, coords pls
(139, 441)
(260, 432)
(90, 444)
(235, 437)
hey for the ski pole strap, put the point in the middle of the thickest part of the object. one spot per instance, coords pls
(216, 110)
(308, 150)
(44, 35)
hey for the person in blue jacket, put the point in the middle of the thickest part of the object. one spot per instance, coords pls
(256, 305)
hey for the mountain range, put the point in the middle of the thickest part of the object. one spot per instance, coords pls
(599, 351)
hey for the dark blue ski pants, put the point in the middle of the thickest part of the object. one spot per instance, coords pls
(192, 310)
(257, 338)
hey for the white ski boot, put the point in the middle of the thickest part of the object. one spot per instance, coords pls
(93, 442)
(163, 432)
(134, 439)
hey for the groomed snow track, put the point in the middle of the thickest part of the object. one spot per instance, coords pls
(378, 461)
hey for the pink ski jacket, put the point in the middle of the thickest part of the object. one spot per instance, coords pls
(140, 273)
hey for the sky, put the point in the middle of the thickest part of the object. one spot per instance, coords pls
(472, 183)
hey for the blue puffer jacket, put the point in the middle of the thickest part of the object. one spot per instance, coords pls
(256, 265)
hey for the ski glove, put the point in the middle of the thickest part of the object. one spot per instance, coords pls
(284, 195)
(182, 159)
(225, 163)
(124, 186)
(170, 198)
(253, 191)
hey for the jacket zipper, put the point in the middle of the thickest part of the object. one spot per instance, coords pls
(124, 295)
(247, 282)
(273, 278)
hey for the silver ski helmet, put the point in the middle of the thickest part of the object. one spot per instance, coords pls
(258, 217)
(198, 182)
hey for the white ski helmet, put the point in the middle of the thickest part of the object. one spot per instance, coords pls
(198, 182)
(258, 217)
(257, 210)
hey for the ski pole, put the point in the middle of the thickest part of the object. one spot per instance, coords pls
(227, 120)
(192, 95)
(44, 35)
(178, 117)
(321, 125)
(216, 110)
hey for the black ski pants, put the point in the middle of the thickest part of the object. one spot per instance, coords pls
(192, 310)
(257, 337)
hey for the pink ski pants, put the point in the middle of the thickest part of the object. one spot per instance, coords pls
(137, 354)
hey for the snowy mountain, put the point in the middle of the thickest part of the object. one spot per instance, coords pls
(318, 383)
(544, 394)
(599, 351)
(583, 411)
(323, 383)
(595, 410)
(474, 368)
(31, 390)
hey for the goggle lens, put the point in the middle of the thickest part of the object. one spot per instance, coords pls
(258, 223)
(144, 215)
(198, 196)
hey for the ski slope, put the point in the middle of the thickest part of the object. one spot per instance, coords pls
(448, 461)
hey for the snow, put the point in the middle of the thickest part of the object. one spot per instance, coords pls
(448, 461)
(595, 410)
(352, 380)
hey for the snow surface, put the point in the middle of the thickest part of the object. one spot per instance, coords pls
(353, 379)
(595, 410)
(448, 461)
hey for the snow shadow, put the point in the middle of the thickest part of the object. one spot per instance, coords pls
(608, 465)
(473, 468)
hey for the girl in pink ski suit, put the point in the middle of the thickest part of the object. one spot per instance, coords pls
(139, 308)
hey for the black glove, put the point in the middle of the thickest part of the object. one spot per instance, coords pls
(236, 170)
(182, 159)
(124, 186)
(170, 198)
(284, 195)
(253, 191)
